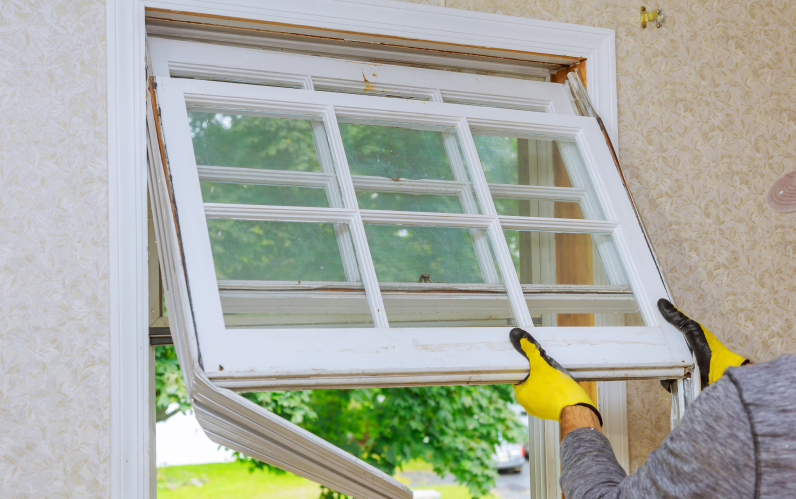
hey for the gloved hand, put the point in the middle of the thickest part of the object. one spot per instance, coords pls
(712, 357)
(548, 388)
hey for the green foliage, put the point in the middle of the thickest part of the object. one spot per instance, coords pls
(371, 200)
(395, 152)
(327, 493)
(277, 251)
(253, 142)
(222, 192)
(498, 158)
(401, 254)
(169, 386)
(454, 428)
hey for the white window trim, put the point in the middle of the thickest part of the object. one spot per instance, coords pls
(130, 361)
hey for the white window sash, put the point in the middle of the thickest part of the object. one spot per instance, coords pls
(256, 359)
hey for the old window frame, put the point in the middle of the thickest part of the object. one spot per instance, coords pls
(131, 360)
(226, 348)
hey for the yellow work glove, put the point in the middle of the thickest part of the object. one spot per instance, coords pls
(712, 357)
(548, 388)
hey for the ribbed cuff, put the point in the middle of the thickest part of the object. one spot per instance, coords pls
(599, 416)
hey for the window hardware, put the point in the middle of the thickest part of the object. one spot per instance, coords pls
(651, 15)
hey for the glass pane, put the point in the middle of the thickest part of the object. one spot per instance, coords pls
(248, 141)
(264, 144)
(286, 274)
(395, 152)
(275, 251)
(491, 101)
(369, 200)
(538, 208)
(516, 160)
(371, 89)
(564, 259)
(394, 156)
(221, 192)
(438, 276)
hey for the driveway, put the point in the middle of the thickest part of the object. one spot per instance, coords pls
(514, 486)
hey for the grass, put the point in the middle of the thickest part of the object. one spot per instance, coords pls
(230, 481)
(234, 481)
(418, 465)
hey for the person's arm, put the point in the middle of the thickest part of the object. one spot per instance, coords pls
(709, 454)
(576, 416)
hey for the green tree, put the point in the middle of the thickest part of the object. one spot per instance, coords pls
(454, 428)
(170, 395)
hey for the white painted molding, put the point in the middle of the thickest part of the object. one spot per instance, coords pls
(131, 431)
(612, 403)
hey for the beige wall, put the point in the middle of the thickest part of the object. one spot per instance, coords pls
(54, 341)
(707, 109)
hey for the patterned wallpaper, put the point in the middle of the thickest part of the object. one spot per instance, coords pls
(707, 107)
(54, 342)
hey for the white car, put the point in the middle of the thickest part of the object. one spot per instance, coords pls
(509, 457)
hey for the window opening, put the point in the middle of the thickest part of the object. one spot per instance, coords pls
(321, 237)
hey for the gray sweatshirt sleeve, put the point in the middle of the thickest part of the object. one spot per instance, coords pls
(709, 454)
